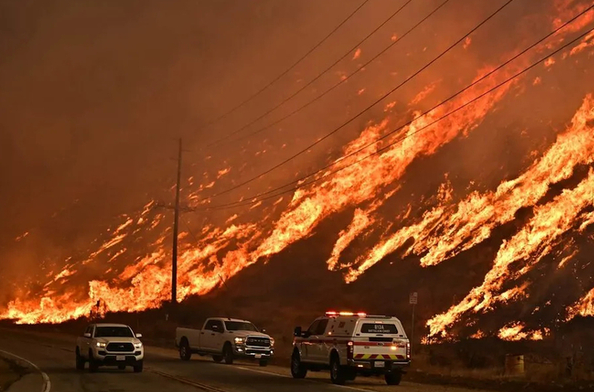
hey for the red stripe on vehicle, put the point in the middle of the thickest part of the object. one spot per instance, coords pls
(387, 344)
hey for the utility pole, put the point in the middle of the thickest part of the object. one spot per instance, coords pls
(176, 229)
(413, 299)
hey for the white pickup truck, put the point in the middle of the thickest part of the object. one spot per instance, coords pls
(225, 339)
(109, 345)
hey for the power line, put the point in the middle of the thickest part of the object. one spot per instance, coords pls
(335, 130)
(343, 80)
(508, 80)
(257, 93)
(287, 99)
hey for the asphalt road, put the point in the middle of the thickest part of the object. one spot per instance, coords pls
(53, 355)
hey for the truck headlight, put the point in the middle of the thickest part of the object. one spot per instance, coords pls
(271, 342)
(101, 344)
(239, 340)
(138, 345)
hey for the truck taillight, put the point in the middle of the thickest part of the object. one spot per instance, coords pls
(350, 350)
(407, 350)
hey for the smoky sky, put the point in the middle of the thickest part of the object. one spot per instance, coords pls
(93, 96)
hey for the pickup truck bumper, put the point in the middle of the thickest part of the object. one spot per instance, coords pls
(250, 352)
(378, 367)
(106, 358)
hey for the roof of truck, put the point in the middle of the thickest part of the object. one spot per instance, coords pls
(229, 319)
(359, 315)
(112, 325)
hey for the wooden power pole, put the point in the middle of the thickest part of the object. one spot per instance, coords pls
(176, 229)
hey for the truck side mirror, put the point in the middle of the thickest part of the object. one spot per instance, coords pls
(138, 335)
(298, 332)
(263, 330)
(87, 335)
(215, 328)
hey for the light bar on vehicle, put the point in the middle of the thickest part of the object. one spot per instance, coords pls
(332, 313)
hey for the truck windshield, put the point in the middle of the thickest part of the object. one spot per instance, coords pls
(109, 332)
(240, 326)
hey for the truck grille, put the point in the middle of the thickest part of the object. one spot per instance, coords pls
(259, 342)
(120, 347)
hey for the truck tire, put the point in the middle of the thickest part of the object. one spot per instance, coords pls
(185, 353)
(138, 367)
(93, 365)
(263, 362)
(228, 353)
(298, 369)
(393, 378)
(217, 358)
(338, 373)
(80, 361)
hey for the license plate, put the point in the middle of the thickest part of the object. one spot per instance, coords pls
(258, 356)
(379, 364)
(120, 357)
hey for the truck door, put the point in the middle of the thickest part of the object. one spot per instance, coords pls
(319, 351)
(86, 342)
(218, 338)
(306, 344)
(207, 336)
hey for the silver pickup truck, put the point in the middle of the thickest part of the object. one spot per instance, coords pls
(225, 339)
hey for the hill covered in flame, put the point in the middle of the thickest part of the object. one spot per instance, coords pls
(449, 199)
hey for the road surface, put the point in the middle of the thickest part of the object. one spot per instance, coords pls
(8, 375)
(53, 355)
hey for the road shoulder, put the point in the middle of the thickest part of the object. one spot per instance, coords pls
(10, 373)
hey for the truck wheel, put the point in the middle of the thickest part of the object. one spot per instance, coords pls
(298, 369)
(217, 358)
(80, 361)
(93, 365)
(185, 353)
(138, 367)
(264, 362)
(228, 353)
(393, 378)
(337, 373)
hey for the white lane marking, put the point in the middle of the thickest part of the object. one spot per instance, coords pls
(47, 385)
(307, 380)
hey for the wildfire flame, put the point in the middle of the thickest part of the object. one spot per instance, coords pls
(362, 187)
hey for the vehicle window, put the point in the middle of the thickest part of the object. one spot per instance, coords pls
(209, 324)
(240, 326)
(119, 332)
(313, 328)
(321, 328)
(379, 328)
(219, 324)
(89, 329)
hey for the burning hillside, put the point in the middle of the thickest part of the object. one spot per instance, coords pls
(409, 190)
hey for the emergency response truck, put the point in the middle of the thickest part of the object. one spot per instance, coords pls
(350, 344)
